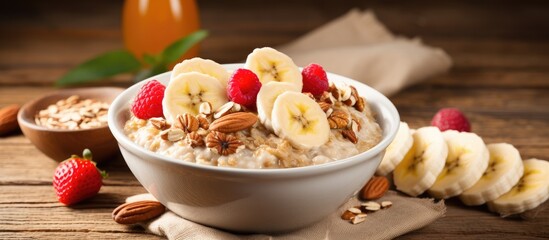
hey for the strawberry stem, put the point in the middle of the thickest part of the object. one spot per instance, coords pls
(104, 174)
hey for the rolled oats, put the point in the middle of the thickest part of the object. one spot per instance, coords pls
(73, 113)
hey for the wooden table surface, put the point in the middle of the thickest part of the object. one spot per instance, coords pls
(500, 79)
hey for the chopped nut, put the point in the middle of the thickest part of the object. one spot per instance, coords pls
(187, 122)
(324, 106)
(159, 123)
(359, 218)
(338, 119)
(206, 108)
(224, 110)
(371, 206)
(350, 102)
(345, 93)
(329, 112)
(334, 92)
(327, 97)
(386, 204)
(348, 215)
(350, 134)
(194, 140)
(357, 122)
(353, 98)
(224, 144)
(172, 134)
(354, 210)
(354, 126)
(360, 104)
(203, 122)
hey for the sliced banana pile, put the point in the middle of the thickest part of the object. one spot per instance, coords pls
(450, 163)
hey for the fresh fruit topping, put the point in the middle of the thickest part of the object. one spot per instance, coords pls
(266, 98)
(300, 120)
(531, 190)
(148, 102)
(204, 66)
(503, 172)
(451, 119)
(315, 80)
(396, 151)
(420, 167)
(77, 179)
(466, 162)
(186, 93)
(243, 87)
(272, 65)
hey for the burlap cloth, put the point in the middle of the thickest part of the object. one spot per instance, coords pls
(406, 214)
(358, 46)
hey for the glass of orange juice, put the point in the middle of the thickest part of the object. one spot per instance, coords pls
(149, 26)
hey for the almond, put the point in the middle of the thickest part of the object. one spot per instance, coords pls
(375, 188)
(234, 122)
(8, 118)
(135, 212)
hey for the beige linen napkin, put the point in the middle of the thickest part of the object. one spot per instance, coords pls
(406, 214)
(358, 46)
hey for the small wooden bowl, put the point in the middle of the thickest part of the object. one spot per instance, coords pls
(60, 144)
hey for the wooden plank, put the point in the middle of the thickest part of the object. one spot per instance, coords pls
(84, 234)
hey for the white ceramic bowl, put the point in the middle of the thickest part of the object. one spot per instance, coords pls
(252, 200)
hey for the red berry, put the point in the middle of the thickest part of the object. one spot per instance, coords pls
(76, 179)
(148, 102)
(451, 119)
(315, 80)
(243, 87)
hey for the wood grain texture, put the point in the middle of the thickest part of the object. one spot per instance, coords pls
(500, 79)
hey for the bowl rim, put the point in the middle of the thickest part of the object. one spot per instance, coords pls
(26, 122)
(120, 102)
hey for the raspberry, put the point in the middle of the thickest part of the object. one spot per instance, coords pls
(315, 80)
(148, 102)
(451, 119)
(243, 87)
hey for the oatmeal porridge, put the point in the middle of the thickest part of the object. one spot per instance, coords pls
(254, 118)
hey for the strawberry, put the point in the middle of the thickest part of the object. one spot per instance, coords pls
(451, 119)
(77, 179)
(148, 102)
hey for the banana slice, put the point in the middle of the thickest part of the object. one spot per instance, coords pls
(300, 120)
(503, 172)
(266, 98)
(531, 190)
(467, 160)
(396, 150)
(205, 66)
(187, 91)
(272, 65)
(420, 167)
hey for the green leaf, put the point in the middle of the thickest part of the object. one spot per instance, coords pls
(179, 47)
(147, 73)
(150, 59)
(105, 65)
